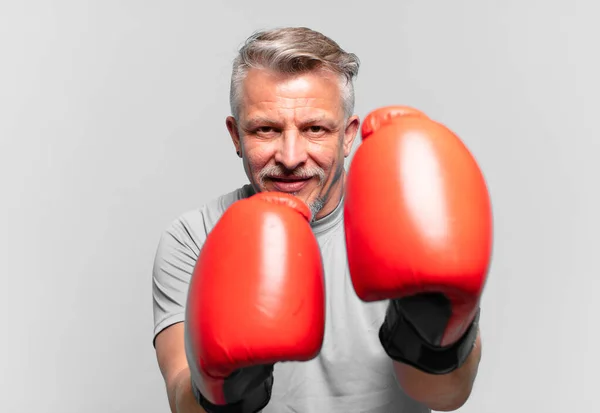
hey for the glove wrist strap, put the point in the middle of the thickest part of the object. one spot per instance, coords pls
(404, 344)
(253, 402)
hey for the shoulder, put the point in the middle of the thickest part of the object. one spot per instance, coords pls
(215, 208)
(194, 225)
(181, 241)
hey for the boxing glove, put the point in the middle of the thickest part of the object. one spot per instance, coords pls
(418, 228)
(256, 298)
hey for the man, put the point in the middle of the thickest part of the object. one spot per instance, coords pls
(292, 124)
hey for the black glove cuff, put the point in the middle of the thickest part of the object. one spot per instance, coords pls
(253, 402)
(404, 344)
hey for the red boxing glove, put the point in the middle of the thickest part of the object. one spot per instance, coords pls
(418, 224)
(256, 298)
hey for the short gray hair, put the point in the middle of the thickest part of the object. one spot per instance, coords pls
(294, 50)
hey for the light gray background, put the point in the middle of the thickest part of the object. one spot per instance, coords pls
(112, 124)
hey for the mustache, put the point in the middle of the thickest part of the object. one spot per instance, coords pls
(302, 173)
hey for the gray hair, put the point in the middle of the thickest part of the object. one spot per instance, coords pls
(294, 50)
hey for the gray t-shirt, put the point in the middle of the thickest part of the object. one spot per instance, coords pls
(352, 372)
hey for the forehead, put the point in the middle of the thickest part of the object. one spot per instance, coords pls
(270, 93)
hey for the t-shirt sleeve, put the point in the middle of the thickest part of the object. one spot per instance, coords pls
(176, 255)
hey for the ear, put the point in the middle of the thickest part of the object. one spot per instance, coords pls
(350, 134)
(232, 127)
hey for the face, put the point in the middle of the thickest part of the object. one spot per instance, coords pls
(293, 135)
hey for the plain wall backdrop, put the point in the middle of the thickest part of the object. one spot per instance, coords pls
(112, 123)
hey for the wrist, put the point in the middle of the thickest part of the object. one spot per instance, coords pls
(251, 400)
(403, 343)
(445, 392)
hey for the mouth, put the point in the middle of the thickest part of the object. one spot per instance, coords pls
(289, 184)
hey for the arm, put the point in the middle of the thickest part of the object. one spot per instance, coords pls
(447, 392)
(170, 352)
(174, 262)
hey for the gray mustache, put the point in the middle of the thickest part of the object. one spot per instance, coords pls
(296, 173)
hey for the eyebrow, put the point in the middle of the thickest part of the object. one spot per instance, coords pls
(258, 120)
(316, 119)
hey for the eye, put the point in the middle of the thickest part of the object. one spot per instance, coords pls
(316, 129)
(266, 131)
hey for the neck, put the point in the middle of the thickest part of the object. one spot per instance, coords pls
(333, 196)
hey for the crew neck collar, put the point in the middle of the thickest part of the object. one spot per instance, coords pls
(329, 220)
(321, 224)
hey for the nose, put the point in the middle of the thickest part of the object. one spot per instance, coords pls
(292, 151)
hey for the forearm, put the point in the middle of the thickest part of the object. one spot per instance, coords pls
(181, 396)
(445, 392)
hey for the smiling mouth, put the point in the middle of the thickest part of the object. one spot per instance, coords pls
(289, 184)
(288, 179)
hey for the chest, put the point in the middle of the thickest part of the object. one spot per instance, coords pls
(351, 325)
